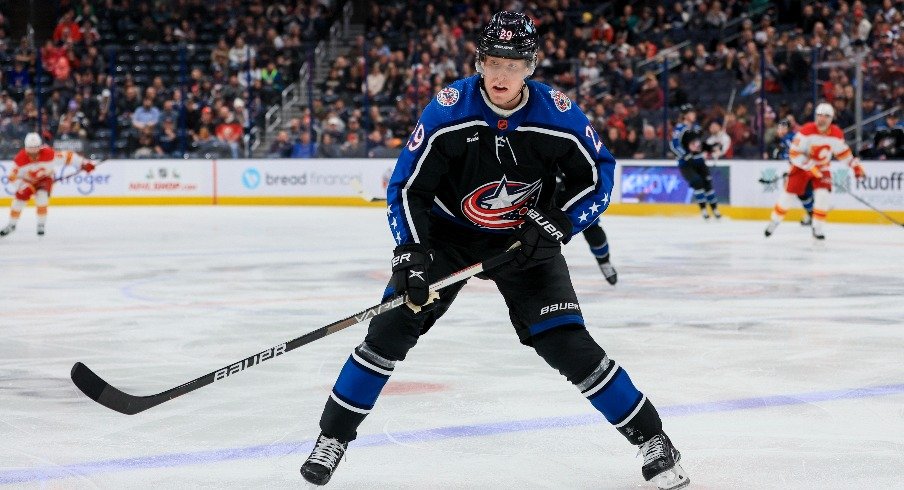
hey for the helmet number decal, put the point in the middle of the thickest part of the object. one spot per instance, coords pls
(594, 137)
(506, 35)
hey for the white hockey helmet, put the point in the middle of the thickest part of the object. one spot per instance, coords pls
(825, 110)
(32, 141)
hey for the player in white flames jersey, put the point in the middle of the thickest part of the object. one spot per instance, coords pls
(810, 154)
(33, 167)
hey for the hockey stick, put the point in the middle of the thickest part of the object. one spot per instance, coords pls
(107, 395)
(356, 185)
(73, 174)
(855, 196)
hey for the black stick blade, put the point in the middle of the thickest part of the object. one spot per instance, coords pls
(102, 392)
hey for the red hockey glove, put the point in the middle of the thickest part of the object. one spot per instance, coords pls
(88, 166)
(859, 173)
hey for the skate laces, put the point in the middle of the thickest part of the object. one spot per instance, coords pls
(652, 450)
(327, 452)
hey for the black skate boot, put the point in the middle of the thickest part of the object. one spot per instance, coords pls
(41, 230)
(770, 228)
(807, 220)
(660, 464)
(608, 271)
(324, 459)
(9, 229)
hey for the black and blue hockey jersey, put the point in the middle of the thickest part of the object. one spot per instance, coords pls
(684, 137)
(473, 167)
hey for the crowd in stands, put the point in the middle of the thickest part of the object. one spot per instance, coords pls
(142, 78)
(608, 56)
(191, 79)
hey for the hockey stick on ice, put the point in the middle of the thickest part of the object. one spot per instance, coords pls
(107, 395)
(855, 196)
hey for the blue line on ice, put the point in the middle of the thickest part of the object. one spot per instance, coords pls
(477, 430)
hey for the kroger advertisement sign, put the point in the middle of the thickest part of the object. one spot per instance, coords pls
(128, 178)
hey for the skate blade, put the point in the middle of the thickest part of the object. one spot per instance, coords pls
(671, 479)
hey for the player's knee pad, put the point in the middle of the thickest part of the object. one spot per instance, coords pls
(395, 332)
(569, 349)
(41, 198)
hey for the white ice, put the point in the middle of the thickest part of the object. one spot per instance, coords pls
(776, 363)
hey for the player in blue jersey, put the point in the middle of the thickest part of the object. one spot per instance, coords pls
(687, 144)
(779, 151)
(477, 174)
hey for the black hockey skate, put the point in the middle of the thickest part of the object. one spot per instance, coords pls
(9, 229)
(41, 230)
(807, 220)
(770, 229)
(324, 459)
(608, 271)
(660, 464)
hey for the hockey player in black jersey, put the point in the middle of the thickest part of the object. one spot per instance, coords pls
(687, 144)
(477, 174)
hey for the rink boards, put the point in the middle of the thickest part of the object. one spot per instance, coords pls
(747, 188)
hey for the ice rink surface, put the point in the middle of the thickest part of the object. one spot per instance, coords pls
(775, 363)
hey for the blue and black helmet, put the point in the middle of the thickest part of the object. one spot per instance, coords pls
(509, 35)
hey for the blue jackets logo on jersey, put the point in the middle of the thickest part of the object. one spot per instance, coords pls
(495, 205)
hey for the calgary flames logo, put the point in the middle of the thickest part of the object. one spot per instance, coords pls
(495, 205)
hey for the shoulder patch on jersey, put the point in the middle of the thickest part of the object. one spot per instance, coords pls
(563, 103)
(447, 96)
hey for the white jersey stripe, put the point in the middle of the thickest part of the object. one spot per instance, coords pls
(590, 160)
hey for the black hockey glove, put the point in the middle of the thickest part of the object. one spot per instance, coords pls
(541, 236)
(409, 272)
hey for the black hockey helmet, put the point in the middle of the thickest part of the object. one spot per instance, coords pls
(509, 35)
